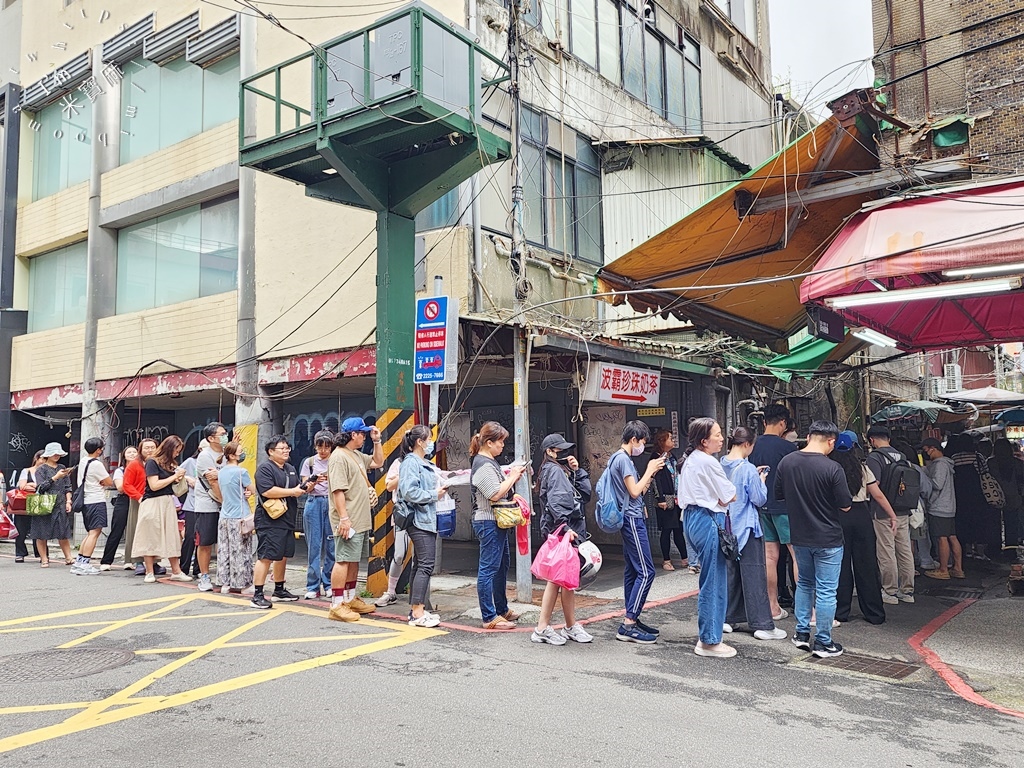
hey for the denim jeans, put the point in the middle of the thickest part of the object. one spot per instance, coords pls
(316, 524)
(493, 572)
(638, 574)
(692, 551)
(714, 578)
(817, 584)
(425, 545)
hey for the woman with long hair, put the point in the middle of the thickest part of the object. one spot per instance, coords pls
(156, 534)
(705, 494)
(974, 516)
(52, 478)
(134, 485)
(1009, 471)
(119, 519)
(419, 490)
(664, 490)
(490, 485)
(747, 577)
(235, 546)
(563, 487)
(860, 557)
(23, 522)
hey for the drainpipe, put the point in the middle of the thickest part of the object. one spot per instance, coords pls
(474, 205)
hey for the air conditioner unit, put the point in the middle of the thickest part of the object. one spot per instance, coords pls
(954, 376)
(939, 388)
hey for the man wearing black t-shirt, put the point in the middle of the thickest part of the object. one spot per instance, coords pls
(816, 493)
(769, 450)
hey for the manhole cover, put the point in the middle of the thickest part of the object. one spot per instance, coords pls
(60, 664)
(868, 665)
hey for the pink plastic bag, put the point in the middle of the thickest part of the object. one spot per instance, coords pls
(557, 561)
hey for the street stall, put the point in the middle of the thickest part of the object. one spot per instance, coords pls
(917, 419)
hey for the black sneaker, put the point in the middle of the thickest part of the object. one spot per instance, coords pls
(159, 570)
(802, 640)
(825, 651)
(647, 629)
(261, 602)
(284, 596)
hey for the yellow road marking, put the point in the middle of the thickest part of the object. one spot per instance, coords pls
(33, 708)
(285, 641)
(125, 622)
(81, 611)
(81, 624)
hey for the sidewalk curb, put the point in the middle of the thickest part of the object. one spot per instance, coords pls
(943, 670)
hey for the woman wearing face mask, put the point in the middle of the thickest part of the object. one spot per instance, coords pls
(563, 488)
(705, 494)
(234, 545)
(316, 520)
(419, 490)
(119, 519)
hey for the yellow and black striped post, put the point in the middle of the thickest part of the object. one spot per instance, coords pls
(393, 424)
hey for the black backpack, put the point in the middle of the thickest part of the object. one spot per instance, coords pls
(78, 497)
(900, 482)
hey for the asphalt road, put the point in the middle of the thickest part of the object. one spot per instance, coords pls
(205, 679)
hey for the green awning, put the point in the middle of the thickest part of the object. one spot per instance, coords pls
(805, 357)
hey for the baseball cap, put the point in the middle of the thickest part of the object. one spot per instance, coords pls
(931, 442)
(846, 440)
(557, 442)
(53, 449)
(877, 430)
(354, 424)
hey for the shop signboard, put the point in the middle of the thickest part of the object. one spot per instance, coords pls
(614, 383)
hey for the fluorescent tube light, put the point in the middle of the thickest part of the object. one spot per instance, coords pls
(992, 269)
(873, 337)
(945, 290)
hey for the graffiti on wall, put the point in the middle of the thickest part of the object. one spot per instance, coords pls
(301, 428)
(19, 443)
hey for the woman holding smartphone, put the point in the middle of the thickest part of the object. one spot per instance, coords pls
(52, 478)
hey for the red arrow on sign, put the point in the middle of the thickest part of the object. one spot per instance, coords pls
(631, 398)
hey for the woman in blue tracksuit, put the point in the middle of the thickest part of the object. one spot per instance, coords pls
(747, 578)
(564, 488)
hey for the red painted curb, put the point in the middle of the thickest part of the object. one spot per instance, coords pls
(948, 676)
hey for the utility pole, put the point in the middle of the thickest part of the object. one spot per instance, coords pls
(998, 349)
(520, 375)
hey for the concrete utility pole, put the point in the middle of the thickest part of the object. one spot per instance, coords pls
(520, 375)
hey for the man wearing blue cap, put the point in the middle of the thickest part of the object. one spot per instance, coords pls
(351, 514)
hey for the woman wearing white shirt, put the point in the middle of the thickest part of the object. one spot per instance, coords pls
(704, 496)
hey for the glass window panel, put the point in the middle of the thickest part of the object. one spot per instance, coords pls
(584, 32)
(220, 92)
(547, 18)
(586, 154)
(63, 146)
(691, 49)
(48, 160)
(77, 142)
(532, 126)
(750, 19)
(136, 267)
(218, 260)
(496, 184)
(181, 101)
(533, 193)
(675, 109)
(140, 110)
(440, 213)
(57, 288)
(608, 31)
(75, 276)
(178, 238)
(557, 205)
(632, 54)
(531, 14)
(588, 216)
(654, 67)
(691, 75)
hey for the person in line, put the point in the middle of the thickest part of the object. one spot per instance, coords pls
(747, 577)
(23, 522)
(208, 499)
(768, 451)
(942, 511)
(135, 486)
(52, 478)
(156, 535)
(402, 543)
(860, 558)
(975, 517)
(920, 540)
(119, 517)
(563, 487)
(419, 491)
(489, 484)
(316, 517)
(351, 514)
(188, 560)
(94, 476)
(234, 544)
(816, 493)
(1009, 471)
(895, 556)
(629, 488)
(705, 494)
(664, 490)
(275, 536)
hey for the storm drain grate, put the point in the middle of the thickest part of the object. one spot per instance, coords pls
(957, 593)
(868, 665)
(60, 664)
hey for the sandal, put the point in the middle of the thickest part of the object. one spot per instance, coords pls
(667, 565)
(511, 616)
(694, 569)
(44, 564)
(498, 622)
(69, 562)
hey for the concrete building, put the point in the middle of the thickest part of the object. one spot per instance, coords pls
(156, 283)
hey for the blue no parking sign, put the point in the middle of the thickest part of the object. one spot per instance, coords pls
(436, 351)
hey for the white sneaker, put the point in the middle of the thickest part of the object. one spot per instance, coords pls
(727, 628)
(225, 590)
(128, 567)
(150, 578)
(547, 635)
(905, 598)
(770, 634)
(205, 584)
(312, 594)
(105, 567)
(577, 634)
(182, 576)
(783, 614)
(427, 620)
(388, 598)
(890, 599)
